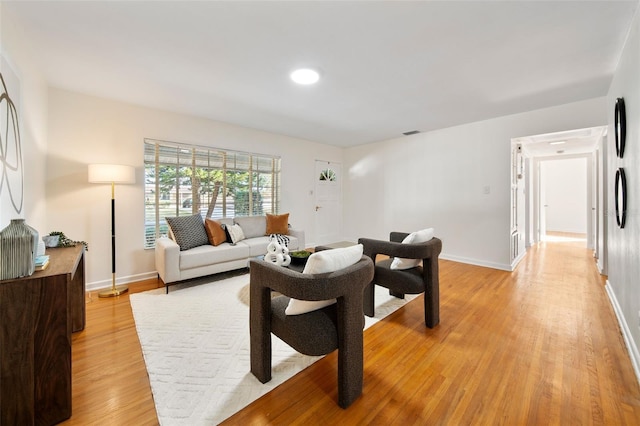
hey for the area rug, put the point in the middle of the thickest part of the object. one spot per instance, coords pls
(195, 342)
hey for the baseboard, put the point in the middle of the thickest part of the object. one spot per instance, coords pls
(626, 332)
(99, 285)
(517, 260)
(500, 266)
(461, 259)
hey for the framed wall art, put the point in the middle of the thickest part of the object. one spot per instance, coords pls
(621, 197)
(620, 127)
(11, 167)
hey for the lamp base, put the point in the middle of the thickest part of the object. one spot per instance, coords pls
(114, 291)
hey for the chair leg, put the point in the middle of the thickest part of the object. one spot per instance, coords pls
(350, 358)
(396, 294)
(350, 378)
(368, 300)
(260, 333)
(432, 306)
(261, 360)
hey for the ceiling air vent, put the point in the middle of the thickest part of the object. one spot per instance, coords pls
(411, 132)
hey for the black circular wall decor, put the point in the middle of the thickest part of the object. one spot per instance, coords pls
(621, 126)
(621, 197)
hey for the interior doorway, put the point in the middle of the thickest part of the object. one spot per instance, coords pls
(553, 188)
(564, 202)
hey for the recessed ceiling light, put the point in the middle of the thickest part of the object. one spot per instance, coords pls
(305, 76)
(557, 142)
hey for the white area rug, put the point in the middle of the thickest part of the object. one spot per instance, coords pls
(195, 342)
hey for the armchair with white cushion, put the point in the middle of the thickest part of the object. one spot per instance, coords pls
(317, 312)
(412, 268)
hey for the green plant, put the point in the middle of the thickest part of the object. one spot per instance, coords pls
(303, 254)
(63, 241)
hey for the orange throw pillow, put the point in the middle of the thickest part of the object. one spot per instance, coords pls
(277, 224)
(215, 232)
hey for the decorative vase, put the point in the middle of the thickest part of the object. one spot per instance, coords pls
(277, 254)
(51, 240)
(18, 250)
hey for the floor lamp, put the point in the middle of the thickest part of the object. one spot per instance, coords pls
(112, 173)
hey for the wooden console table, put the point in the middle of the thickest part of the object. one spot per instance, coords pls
(37, 316)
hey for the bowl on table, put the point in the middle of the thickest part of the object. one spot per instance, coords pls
(299, 257)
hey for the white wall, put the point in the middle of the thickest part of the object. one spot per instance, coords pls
(85, 129)
(624, 244)
(566, 193)
(32, 115)
(438, 178)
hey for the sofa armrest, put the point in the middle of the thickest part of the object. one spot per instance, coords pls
(167, 259)
(299, 234)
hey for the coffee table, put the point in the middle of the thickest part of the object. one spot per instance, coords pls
(298, 267)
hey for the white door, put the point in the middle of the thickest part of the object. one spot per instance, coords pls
(328, 206)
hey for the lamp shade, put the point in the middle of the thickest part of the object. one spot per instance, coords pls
(111, 173)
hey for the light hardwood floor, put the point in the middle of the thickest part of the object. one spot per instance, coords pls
(537, 346)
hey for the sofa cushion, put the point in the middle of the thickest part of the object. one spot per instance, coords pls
(216, 234)
(421, 236)
(277, 224)
(235, 233)
(252, 226)
(209, 255)
(225, 223)
(188, 231)
(225, 228)
(257, 245)
(322, 262)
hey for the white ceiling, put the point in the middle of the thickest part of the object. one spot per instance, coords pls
(387, 67)
(566, 143)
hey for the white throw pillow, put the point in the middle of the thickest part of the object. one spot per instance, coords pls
(236, 233)
(320, 263)
(421, 236)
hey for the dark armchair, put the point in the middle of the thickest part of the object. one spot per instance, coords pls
(338, 326)
(423, 278)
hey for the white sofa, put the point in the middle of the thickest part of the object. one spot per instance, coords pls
(174, 265)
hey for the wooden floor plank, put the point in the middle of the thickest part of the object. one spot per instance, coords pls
(540, 345)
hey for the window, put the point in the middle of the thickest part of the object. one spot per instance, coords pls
(182, 180)
(328, 175)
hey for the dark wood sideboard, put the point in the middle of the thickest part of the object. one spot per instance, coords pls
(37, 316)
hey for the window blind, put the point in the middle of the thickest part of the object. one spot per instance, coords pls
(183, 179)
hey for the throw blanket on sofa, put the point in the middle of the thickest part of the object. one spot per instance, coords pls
(283, 240)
